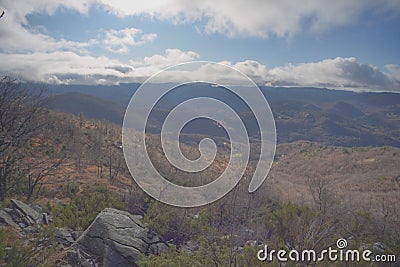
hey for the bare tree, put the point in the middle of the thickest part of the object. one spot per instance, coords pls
(319, 189)
(39, 170)
(20, 110)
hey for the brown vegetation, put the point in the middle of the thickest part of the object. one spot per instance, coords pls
(313, 195)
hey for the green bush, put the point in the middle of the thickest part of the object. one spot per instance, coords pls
(22, 254)
(80, 213)
(302, 227)
(71, 188)
(2, 244)
(171, 223)
(209, 254)
(173, 257)
(19, 257)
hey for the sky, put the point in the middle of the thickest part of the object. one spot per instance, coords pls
(347, 45)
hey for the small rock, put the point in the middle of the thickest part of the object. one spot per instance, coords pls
(190, 247)
(76, 257)
(75, 235)
(22, 225)
(379, 247)
(45, 218)
(8, 210)
(63, 236)
(253, 243)
(5, 217)
(30, 230)
(28, 220)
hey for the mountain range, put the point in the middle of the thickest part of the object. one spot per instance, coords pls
(330, 117)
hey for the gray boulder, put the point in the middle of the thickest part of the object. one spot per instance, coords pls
(27, 210)
(118, 238)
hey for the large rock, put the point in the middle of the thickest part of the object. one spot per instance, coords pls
(117, 238)
(27, 210)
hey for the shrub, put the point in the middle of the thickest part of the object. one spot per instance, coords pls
(20, 253)
(80, 213)
(169, 222)
(2, 244)
(71, 188)
(206, 256)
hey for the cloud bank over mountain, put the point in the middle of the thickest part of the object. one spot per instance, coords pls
(33, 54)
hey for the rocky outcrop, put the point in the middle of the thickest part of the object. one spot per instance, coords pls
(26, 210)
(24, 216)
(116, 238)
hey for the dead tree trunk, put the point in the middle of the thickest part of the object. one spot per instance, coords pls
(3, 184)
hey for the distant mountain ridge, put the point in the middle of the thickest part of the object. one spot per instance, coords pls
(90, 106)
(326, 116)
(122, 93)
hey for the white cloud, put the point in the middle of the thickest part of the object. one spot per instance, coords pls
(338, 73)
(119, 41)
(72, 68)
(393, 71)
(16, 36)
(259, 18)
(254, 18)
(34, 55)
(342, 73)
(255, 70)
(171, 57)
(62, 67)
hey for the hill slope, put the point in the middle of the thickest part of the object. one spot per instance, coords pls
(90, 106)
(329, 117)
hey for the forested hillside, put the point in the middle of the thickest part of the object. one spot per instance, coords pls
(71, 168)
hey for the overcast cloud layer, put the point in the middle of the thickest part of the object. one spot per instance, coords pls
(30, 53)
(253, 18)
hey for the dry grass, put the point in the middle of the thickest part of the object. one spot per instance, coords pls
(361, 177)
